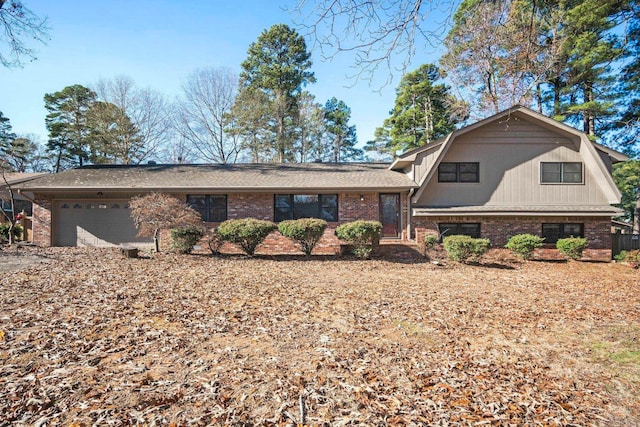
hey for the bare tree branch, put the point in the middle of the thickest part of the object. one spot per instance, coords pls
(18, 24)
(377, 32)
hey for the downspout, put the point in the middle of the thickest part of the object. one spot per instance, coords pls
(411, 192)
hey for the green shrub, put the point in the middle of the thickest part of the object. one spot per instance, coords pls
(247, 233)
(464, 248)
(572, 247)
(523, 245)
(430, 242)
(362, 234)
(631, 257)
(4, 231)
(306, 232)
(621, 257)
(184, 239)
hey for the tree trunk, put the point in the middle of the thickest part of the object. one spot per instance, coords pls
(636, 213)
(156, 241)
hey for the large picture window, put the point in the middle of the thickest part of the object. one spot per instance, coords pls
(460, 228)
(459, 172)
(561, 172)
(211, 207)
(295, 206)
(553, 232)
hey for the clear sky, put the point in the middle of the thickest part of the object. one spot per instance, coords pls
(159, 43)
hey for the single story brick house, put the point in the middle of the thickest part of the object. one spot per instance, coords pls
(515, 172)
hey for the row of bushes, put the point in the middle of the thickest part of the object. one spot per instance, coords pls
(248, 233)
(465, 248)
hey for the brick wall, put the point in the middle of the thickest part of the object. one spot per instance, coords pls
(259, 205)
(597, 231)
(42, 220)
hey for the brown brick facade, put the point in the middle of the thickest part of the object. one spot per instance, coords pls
(260, 205)
(498, 230)
(42, 221)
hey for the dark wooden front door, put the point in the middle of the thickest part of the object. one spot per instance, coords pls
(390, 214)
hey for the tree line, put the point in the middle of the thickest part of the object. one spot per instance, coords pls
(264, 114)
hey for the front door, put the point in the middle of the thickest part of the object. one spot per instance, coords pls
(390, 214)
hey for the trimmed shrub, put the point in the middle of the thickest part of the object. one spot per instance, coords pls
(306, 232)
(362, 234)
(4, 231)
(184, 239)
(572, 247)
(523, 245)
(463, 248)
(247, 233)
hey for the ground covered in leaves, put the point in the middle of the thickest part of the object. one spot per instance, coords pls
(90, 338)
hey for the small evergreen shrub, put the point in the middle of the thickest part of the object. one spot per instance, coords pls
(4, 231)
(430, 242)
(306, 232)
(247, 233)
(362, 234)
(523, 245)
(572, 247)
(184, 239)
(464, 248)
(621, 257)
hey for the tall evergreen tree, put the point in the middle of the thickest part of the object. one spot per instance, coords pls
(424, 110)
(278, 66)
(7, 137)
(342, 136)
(67, 123)
(113, 137)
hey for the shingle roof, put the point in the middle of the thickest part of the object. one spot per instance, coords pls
(239, 177)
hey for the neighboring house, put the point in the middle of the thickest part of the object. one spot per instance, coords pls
(515, 172)
(22, 202)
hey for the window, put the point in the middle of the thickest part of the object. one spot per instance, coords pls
(553, 232)
(561, 172)
(459, 172)
(211, 207)
(465, 229)
(295, 206)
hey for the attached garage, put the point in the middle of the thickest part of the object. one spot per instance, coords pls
(97, 223)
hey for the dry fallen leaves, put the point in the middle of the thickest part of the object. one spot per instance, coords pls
(90, 338)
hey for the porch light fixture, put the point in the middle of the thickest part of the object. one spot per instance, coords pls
(99, 193)
(362, 197)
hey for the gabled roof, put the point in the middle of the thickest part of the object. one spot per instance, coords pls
(228, 177)
(587, 149)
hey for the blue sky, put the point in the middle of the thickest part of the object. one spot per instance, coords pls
(158, 44)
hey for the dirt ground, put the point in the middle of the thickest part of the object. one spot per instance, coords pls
(88, 337)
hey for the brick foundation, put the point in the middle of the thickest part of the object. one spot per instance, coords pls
(498, 230)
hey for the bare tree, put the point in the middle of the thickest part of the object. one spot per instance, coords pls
(202, 115)
(156, 211)
(375, 31)
(18, 24)
(148, 111)
(501, 53)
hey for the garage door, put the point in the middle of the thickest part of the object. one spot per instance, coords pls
(95, 223)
